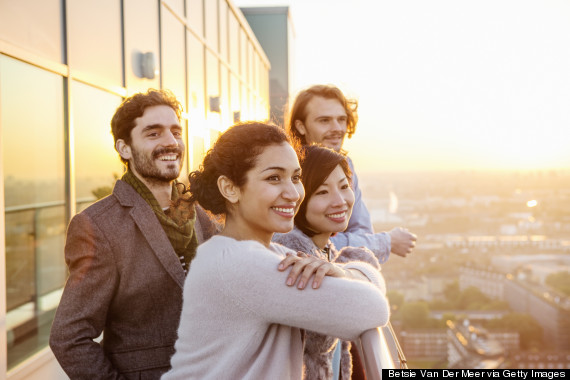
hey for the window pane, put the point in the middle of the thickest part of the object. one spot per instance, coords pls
(243, 54)
(245, 114)
(141, 36)
(176, 5)
(224, 29)
(213, 89)
(33, 159)
(197, 152)
(97, 164)
(225, 97)
(212, 71)
(196, 89)
(255, 69)
(173, 61)
(214, 135)
(250, 66)
(235, 97)
(95, 42)
(211, 16)
(196, 15)
(35, 25)
(234, 42)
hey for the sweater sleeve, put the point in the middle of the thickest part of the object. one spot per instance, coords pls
(340, 307)
(363, 260)
(373, 275)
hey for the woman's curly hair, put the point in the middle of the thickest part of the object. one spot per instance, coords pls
(233, 155)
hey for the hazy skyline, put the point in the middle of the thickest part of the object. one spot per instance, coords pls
(443, 84)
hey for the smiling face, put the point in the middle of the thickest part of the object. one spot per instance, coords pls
(326, 123)
(270, 197)
(156, 150)
(330, 206)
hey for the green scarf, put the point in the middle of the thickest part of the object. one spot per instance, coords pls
(177, 222)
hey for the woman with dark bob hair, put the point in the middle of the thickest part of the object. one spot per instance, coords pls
(246, 299)
(326, 210)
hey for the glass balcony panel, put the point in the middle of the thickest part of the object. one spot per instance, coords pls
(97, 164)
(31, 115)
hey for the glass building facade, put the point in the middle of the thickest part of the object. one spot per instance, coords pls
(64, 68)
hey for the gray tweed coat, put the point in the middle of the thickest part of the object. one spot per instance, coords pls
(125, 281)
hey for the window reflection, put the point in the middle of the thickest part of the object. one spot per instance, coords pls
(198, 152)
(245, 112)
(235, 90)
(225, 96)
(97, 164)
(223, 29)
(195, 15)
(176, 5)
(213, 88)
(211, 14)
(196, 89)
(93, 49)
(234, 41)
(31, 105)
(243, 54)
(35, 25)
(173, 56)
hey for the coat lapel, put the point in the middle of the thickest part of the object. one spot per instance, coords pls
(151, 229)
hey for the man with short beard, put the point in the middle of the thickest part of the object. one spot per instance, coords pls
(128, 254)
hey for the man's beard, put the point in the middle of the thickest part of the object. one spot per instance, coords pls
(145, 166)
(334, 135)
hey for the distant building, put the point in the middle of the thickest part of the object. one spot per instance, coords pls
(472, 347)
(424, 344)
(489, 281)
(510, 263)
(539, 360)
(459, 344)
(508, 241)
(551, 312)
(525, 292)
(472, 315)
(275, 32)
(421, 288)
(510, 340)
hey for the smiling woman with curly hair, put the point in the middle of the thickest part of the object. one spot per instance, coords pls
(246, 299)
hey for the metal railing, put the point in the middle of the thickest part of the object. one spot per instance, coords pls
(379, 349)
(35, 230)
(394, 346)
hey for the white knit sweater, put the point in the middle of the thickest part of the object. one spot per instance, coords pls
(241, 321)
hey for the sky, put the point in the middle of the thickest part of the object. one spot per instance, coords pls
(442, 84)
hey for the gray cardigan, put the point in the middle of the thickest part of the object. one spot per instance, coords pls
(319, 349)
